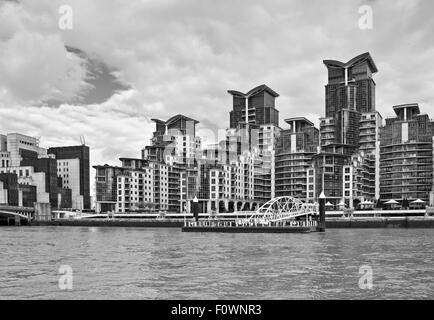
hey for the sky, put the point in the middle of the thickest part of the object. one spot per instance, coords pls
(125, 62)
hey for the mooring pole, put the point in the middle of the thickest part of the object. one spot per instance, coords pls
(322, 201)
(196, 209)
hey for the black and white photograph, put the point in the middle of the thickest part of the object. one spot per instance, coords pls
(229, 152)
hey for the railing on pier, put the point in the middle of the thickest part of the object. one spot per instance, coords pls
(248, 223)
(282, 209)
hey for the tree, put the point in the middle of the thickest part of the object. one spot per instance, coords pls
(143, 206)
(405, 203)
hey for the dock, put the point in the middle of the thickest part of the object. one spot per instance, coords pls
(236, 227)
(279, 215)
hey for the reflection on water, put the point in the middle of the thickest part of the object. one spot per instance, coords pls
(137, 263)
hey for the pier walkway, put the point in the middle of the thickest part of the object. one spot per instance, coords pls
(281, 214)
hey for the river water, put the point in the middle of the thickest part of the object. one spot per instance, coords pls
(142, 263)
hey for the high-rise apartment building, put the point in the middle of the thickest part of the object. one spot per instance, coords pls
(406, 155)
(174, 148)
(294, 153)
(349, 133)
(260, 104)
(175, 170)
(349, 93)
(256, 112)
(174, 140)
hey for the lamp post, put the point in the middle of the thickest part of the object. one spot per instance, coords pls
(195, 209)
(322, 200)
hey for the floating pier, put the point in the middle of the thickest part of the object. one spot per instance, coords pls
(279, 215)
(234, 227)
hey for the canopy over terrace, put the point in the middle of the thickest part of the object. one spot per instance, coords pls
(418, 201)
(392, 202)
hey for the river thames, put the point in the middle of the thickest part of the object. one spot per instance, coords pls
(145, 263)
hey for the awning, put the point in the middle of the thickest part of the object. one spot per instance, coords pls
(392, 202)
(418, 201)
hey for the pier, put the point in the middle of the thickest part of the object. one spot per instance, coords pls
(279, 215)
(235, 227)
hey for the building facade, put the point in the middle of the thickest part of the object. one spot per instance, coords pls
(347, 168)
(257, 105)
(41, 177)
(73, 167)
(406, 155)
(294, 153)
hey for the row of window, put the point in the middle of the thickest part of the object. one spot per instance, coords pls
(19, 173)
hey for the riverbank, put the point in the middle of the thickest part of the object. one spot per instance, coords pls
(381, 222)
(140, 223)
(331, 223)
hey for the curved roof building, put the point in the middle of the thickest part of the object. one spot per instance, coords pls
(261, 106)
(360, 59)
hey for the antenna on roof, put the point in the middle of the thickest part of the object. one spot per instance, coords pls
(82, 140)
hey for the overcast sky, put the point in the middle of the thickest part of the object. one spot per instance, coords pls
(125, 62)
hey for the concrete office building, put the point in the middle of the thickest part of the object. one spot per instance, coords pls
(73, 165)
(12, 193)
(27, 176)
(57, 197)
(17, 147)
(22, 155)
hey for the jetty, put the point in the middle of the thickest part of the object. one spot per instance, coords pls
(279, 215)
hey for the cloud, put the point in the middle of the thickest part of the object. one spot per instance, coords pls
(36, 67)
(182, 56)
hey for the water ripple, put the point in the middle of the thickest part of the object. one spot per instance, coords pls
(136, 263)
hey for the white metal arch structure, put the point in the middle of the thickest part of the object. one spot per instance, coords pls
(13, 214)
(281, 208)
